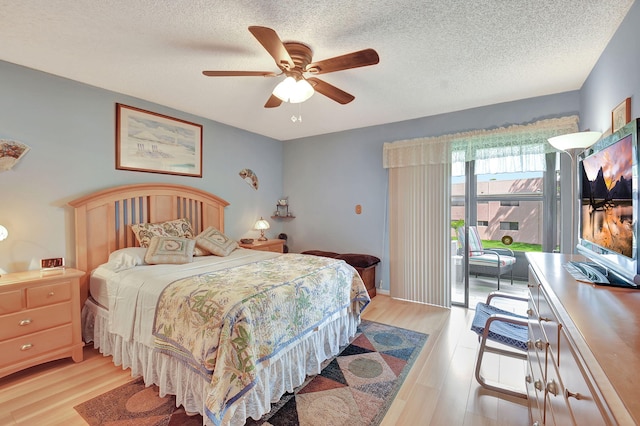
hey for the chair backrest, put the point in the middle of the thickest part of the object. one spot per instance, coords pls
(475, 243)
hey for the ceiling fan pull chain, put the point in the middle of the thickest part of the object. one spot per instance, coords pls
(297, 119)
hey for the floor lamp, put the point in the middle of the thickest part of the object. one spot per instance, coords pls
(572, 144)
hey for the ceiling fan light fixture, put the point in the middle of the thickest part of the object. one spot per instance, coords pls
(290, 90)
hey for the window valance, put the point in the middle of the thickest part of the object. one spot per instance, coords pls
(524, 145)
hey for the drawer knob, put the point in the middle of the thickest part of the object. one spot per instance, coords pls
(569, 394)
(528, 378)
(539, 344)
(552, 388)
(26, 347)
(26, 321)
(530, 312)
(538, 385)
(51, 293)
(529, 344)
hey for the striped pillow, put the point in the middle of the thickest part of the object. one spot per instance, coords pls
(475, 243)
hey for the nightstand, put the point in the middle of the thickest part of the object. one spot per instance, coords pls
(39, 318)
(269, 245)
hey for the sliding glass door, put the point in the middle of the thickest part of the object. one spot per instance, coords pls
(511, 212)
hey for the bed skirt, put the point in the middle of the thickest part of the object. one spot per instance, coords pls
(282, 374)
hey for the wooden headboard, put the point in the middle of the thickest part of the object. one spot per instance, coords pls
(103, 219)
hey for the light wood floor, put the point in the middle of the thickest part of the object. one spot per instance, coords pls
(439, 390)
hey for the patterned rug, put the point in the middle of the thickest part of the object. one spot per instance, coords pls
(355, 388)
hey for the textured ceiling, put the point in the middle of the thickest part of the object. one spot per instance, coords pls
(436, 56)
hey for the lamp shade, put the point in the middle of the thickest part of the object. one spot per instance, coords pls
(3, 233)
(290, 90)
(577, 140)
(261, 224)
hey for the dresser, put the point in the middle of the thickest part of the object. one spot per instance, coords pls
(274, 245)
(39, 318)
(584, 348)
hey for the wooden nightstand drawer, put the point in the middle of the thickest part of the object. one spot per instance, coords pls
(10, 301)
(275, 245)
(30, 321)
(48, 294)
(41, 318)
(20, 348)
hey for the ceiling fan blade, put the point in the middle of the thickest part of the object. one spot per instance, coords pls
(270, 41)
(239, 73)
(273, 102)
(330, 91)
(361, 58)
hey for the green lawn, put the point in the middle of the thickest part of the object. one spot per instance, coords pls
(488, 244)
(515, 246)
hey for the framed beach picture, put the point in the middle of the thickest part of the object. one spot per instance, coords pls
(156, 143)
(621, 115)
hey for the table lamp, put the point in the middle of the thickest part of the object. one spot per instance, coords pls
(261, 225)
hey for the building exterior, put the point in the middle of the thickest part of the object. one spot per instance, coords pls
(504, 207)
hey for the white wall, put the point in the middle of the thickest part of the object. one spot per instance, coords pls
(70, 128)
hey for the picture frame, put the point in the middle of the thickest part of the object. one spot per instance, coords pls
(154, 143)
(621, 115)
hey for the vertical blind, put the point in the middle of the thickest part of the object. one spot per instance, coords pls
(419, 196)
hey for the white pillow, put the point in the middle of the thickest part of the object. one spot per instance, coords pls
(127, 258)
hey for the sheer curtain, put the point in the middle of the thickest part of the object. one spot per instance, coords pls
(419, 196)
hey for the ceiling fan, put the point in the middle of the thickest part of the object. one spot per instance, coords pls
(294, 60)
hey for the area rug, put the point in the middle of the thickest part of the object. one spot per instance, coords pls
(356, 388)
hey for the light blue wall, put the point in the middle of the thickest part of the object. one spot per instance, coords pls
(326, 176)
(70, 128)
(615, 77)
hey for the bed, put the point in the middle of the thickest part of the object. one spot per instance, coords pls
(227, 334)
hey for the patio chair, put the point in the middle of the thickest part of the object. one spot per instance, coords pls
(493, 262)
(507, 329)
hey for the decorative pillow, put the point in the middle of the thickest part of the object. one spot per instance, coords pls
(215, 242)
(197, 251)
(174, 250)
(127, 258)
(172, 228)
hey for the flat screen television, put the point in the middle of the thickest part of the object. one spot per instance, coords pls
(608, 215)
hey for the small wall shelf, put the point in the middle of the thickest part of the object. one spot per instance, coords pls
(282, 212)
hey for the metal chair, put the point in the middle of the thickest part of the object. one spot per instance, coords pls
(504, 327)
(497, 261)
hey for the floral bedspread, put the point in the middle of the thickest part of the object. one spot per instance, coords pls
(225, 324)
